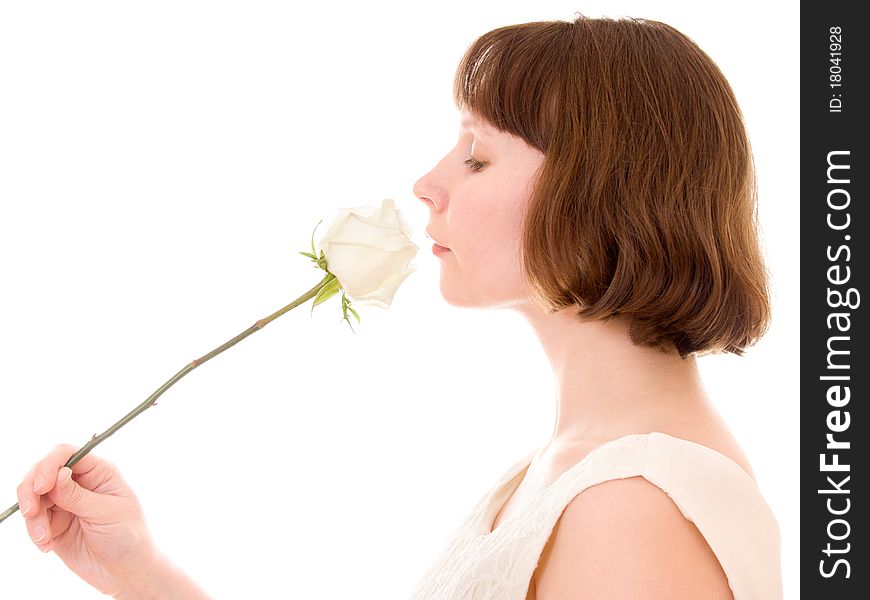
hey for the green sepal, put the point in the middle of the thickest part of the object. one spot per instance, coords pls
(320, 262)
(326, 292)
(313, 251)
(354, 313)
(345, 306)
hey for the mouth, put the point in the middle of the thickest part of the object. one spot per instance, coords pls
(439, 250)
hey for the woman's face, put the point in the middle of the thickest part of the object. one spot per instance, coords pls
(477, 211)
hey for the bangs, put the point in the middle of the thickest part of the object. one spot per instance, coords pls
(509, 75)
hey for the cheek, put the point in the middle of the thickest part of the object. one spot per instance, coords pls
(486, 236)
(490, 221)
(491, 244)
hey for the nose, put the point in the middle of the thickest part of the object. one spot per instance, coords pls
(429, 193)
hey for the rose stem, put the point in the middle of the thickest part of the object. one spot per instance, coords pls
(152, 399)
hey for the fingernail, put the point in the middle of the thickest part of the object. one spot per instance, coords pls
(25, 506)
(39, 534)
(37, 483)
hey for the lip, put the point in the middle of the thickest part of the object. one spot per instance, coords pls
(439, 250)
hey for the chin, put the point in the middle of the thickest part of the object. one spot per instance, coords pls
(473, 298)
(459, 300)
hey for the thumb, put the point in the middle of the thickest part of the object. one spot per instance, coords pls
(70, 496)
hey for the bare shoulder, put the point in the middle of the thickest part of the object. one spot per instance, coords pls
(625, 538)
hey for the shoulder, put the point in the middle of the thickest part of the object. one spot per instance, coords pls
(625, 538)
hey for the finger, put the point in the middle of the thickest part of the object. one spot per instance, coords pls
(70, 496)
(46, 470)
(27, 499)
(43, 474)
(60, 520)
(28, 502)
(101, 476)
(38, 526)
(46, 547)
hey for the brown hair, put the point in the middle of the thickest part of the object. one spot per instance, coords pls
(645, 203)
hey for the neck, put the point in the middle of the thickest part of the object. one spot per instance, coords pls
(606, 386)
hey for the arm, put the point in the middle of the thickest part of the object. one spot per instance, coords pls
(626, 538)
(162, 580)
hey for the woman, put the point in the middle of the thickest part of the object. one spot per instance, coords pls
(602, 186)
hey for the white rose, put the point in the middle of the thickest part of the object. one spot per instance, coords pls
(369, 251)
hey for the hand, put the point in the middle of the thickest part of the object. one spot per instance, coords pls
(90, 518)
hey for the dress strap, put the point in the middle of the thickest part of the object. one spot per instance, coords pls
(710, 490)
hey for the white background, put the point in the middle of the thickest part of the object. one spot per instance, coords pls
(161, 164)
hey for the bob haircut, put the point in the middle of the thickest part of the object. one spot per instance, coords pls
(645, 203)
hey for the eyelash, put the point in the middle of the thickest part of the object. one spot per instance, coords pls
(474, 164)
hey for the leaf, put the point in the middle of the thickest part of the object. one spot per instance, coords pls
(309, 255)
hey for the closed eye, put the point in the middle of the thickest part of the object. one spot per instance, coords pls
(474, 164)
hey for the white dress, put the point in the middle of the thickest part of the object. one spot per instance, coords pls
(710, 489)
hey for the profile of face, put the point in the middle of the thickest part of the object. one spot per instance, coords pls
(477, 196)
